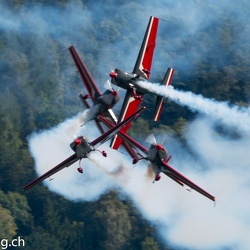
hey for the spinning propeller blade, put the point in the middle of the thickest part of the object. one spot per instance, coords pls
(151, 139)
(163, 139)
(107, 85)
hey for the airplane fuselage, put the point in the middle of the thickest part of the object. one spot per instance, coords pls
(156, 155)
(102, 103)
(81, 147)
(127, 80)
(107, 100)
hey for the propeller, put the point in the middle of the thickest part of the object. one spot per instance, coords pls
(151, 139)
(108, 85)
(163, 139)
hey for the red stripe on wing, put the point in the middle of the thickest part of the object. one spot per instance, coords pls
(131, 107)
(150, 46)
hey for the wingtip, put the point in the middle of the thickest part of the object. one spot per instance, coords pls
(68, 48)
(215, 201)
(25, 188)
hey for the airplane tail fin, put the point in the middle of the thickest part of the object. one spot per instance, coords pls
(161, 100)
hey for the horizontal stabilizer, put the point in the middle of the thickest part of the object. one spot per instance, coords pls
(161, 100)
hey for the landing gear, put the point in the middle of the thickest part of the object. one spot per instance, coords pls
(136, 160)
(104, 153)
(137, 97)
(80, 169)
(158, 177)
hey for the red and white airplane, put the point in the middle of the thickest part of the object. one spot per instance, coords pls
(158, 156)
(141, 72)
(82, 147)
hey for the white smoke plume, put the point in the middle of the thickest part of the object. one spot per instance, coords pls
(185, 219)
(235, 116)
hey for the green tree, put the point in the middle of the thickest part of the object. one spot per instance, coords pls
(71, 235)
(20, 210)
(149, 244)
(112, 224)
(42, 239)
(7, 225)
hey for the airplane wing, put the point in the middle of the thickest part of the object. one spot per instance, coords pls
(89, 82)
(107, 135)
(175, 175)
(144, 60)
(142, 68)
(66, 163)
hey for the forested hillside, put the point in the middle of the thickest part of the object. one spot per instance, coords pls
(39, 89)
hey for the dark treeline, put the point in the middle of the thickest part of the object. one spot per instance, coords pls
(39, 89)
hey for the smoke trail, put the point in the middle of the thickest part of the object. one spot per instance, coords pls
(234, 116)
(178, 215)
(81, 119)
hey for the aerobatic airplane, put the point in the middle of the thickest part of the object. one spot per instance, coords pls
(141, 72)
(82, 147)
(158, 156)
(104, 102)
